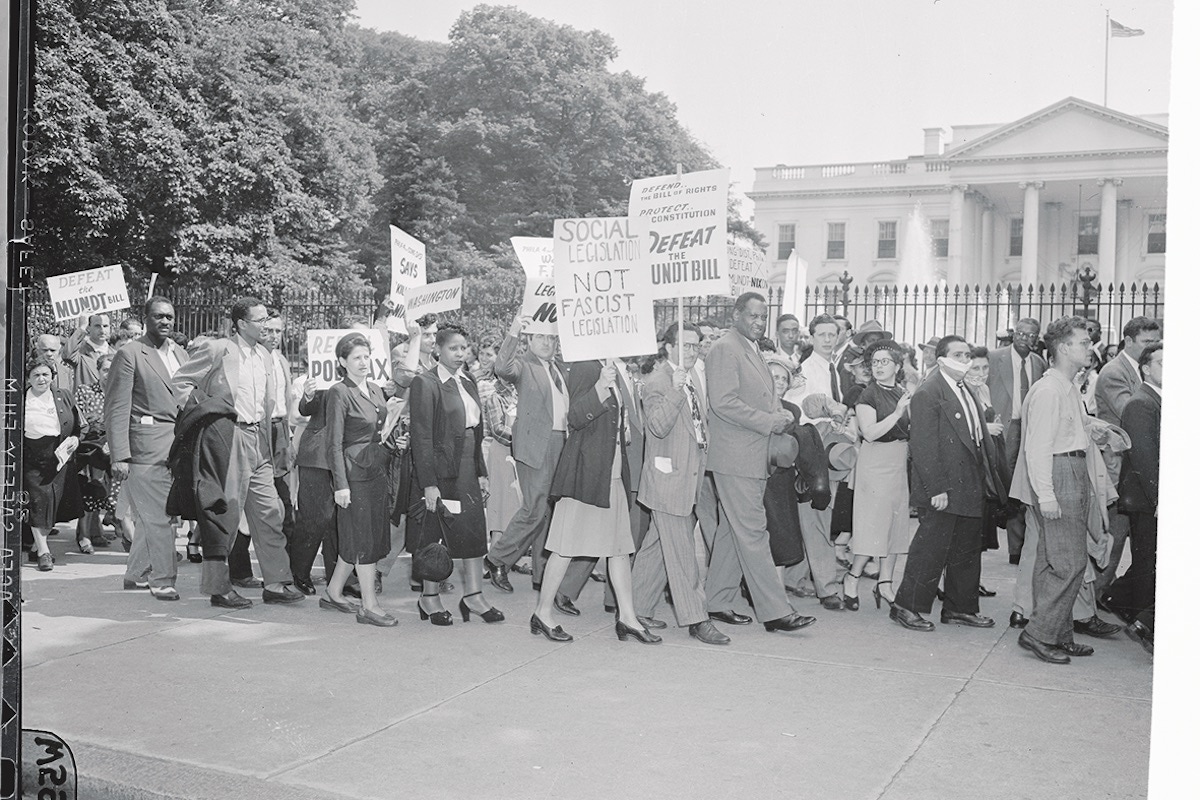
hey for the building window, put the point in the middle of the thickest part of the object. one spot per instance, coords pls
(1016, 235)
(939, 233)
(835, 245)
(787, 241)
(1089, 236)
(887, 239)
(1156, 239)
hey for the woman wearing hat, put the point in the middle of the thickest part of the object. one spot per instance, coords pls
(881, 526)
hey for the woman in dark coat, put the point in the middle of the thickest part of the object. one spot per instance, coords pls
(996, 511)
(52, 421)
(446, 442)
(356, 409)
(590, 492)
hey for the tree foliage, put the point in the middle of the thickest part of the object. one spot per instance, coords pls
(270, 143)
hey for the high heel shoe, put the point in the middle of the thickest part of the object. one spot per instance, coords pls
(848, 602)
(645, 637)
(193, 553)
(555, 634)
(437, 617)
(493, 614)
(879, 598)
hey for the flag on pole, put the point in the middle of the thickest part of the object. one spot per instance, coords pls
(1119, 31)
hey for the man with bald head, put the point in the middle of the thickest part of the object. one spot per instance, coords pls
(50, 346)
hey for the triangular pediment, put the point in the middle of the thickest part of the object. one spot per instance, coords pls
(1069, 126)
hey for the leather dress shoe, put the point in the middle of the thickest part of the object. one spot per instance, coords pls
(129, 585)
(730, 617)
(555, 634)
(304, 585)
(651, 623)
(645, 637)
(1141, 634)
(45, 562)
(792, 622)
(384, 620)
(564, 604)
(832, 603)
(521, 568)
(970, 620)
(706, 632)
(1073, 649)
(288, 595)
(986, 592)
(1106, 602)
(1046, 652)
(498, 575)
(230, 600)
(1095, 627)
(1017, 620)
(164, 592)
(909, 619)
(247, 583)
(800, 591)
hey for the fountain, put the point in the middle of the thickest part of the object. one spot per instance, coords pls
(918, 273)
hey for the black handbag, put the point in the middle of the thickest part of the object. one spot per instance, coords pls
(431, 561)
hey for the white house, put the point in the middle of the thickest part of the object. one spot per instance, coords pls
(1033, 201)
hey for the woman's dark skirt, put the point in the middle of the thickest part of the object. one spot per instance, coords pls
(53, 493)
(467, 537)
(362, 529)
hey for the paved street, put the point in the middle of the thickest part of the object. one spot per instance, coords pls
(181, 700)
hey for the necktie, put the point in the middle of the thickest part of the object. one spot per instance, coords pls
(558, 384)
(834, 385)
(969, 408)
(697, 421)
(1024, 379)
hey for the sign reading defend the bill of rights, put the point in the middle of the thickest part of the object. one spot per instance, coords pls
(92, 291)
(536, 255)
(322, 356)
(604, 304)
(747, 267)
(682, 224)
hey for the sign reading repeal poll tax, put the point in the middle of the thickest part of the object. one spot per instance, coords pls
(681, 222)
(747, 267)
(92, 291)
(604, 304)
(322, 356)
(536, 255)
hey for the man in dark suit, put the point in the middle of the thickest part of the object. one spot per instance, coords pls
(1133, 593)
(139, 415)
(676, 452)
(538, 435)
(238, 370)
(743, 412)
(1117, 382)
(1011, 371)
(954, 472)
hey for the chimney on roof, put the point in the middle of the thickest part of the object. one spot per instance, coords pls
(935, 141)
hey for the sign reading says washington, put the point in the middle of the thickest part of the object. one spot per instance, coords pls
(92, 291)
(681, 222)
(604, 304)
(323, 362)
(536, 255)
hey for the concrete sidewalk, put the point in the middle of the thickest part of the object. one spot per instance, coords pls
(182, 700)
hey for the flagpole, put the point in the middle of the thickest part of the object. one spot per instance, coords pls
(679, 310)
(1107, 37)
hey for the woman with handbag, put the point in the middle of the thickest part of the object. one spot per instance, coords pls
(590, 493)
(52, 428)
(356, 409)
(449, 474)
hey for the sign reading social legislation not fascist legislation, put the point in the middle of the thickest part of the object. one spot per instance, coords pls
(322, 356)
(747, 267)
(92, 291)
(536, 255)
(604, 305)
(682, 222)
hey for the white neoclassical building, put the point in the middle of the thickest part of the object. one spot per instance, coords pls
(1034, 201)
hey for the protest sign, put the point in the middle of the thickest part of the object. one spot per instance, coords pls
(421, 300)
(322, 356)
(747, 267)
(795, 280)
(536, 255)
(681, 222)
(92, 291)
(604, 304)
(408, 261)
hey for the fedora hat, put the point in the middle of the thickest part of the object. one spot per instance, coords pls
(782, 450)
(931, 344)
(869, 327)
(842, 456)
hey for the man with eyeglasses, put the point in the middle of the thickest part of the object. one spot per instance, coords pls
(239, 370)
(1011, 371)
(139, 416)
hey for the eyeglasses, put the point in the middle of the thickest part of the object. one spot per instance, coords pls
(272, 330)
(258, 321)
(881, 362)
(1024, 335)
(691, 347)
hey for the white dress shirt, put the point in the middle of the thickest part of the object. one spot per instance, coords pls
(167, 354)
(815, 370)
(473, 413)
(558, 398)
(1016, 377)
(281, 382)
(252, 381)
(967, 404)
(41, 415)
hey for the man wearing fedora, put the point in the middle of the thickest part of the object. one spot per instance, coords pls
(743, 413)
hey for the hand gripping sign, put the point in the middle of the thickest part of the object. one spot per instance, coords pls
(322, 356)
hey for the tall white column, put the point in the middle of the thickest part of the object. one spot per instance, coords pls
(970, 233)
(1107, 270)
(1053, 245)
(987, 245)
(954, 248)
(1126, 252)
(1029, 237)
(976, 275)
